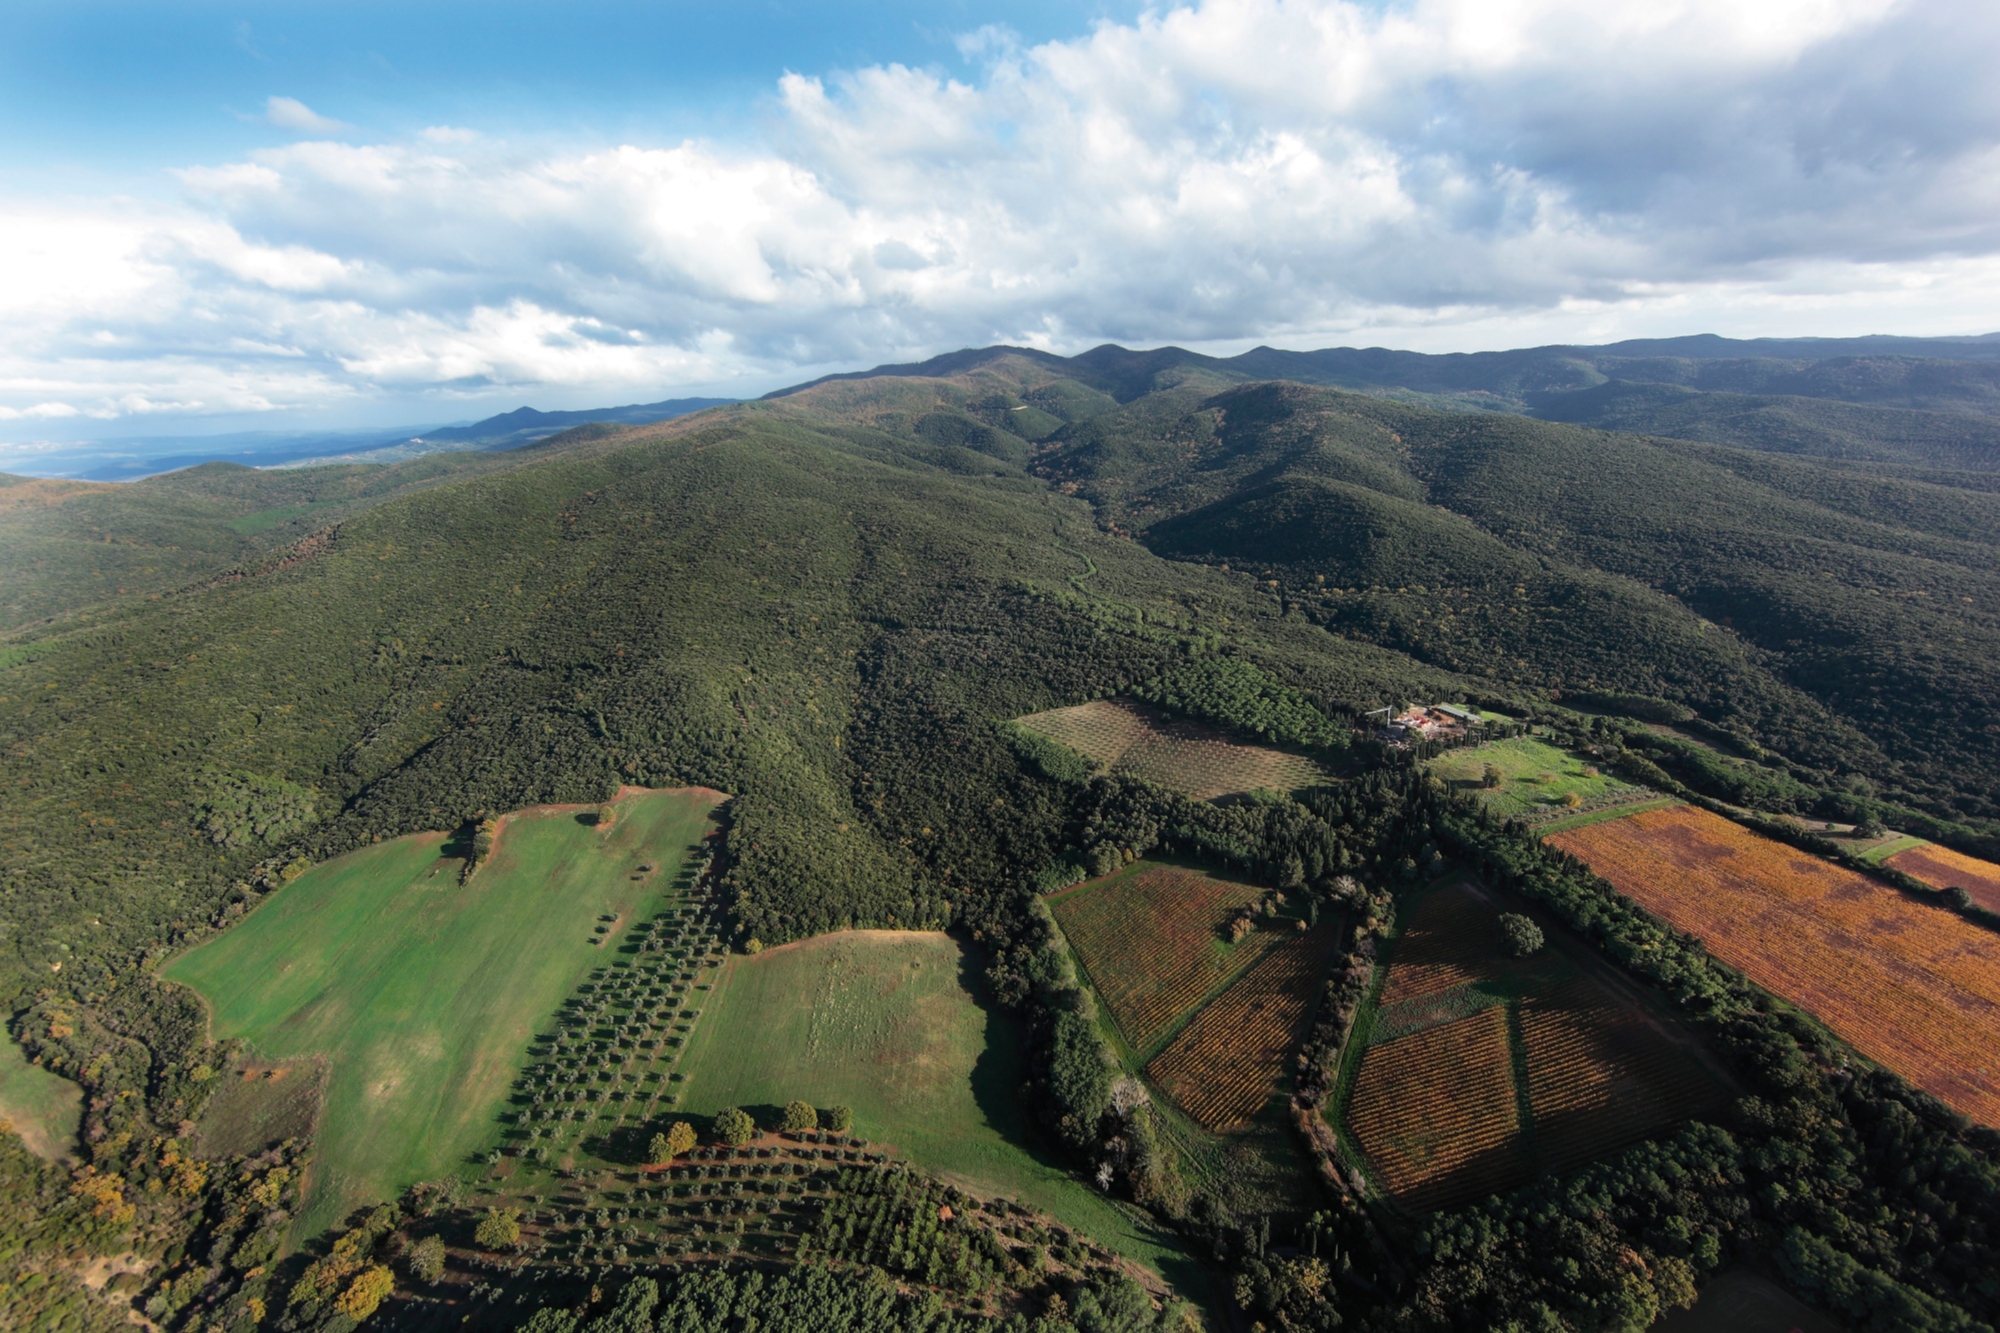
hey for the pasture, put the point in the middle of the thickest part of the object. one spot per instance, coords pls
(1154, 941)
(889, 1023)
(1943, 868)
(1912, 987)
(1478, 1069)
(421, 993)
(1125, 736)
(1536, 779)
(44, 1108)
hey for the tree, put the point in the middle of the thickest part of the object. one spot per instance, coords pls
(735, 1127)
(1492, 776)
(427, 1259)
(1520, 935)
(365, 1292)
(839, 1119)
(799, 1116)
(681, 1138)
(500, 1229)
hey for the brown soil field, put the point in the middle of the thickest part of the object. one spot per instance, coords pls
(1449, 942)
(1600, 1077)
(1947, 869)
(1125, 736)
(1229, 1060)
(1913, 987)
(1152, 939)
(1437, 1115)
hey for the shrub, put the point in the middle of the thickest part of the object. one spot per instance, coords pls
(500, 1229)
(1520, 935)
(735, 1127)
(427, 1259)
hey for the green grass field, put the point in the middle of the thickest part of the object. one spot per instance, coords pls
(1534, 776)
(887, 1022)
(422, 993)
(44, 1108)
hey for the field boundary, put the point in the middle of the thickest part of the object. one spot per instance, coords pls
(1603, 815)
(1882, 851)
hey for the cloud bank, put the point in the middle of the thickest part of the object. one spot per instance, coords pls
(1243, 169)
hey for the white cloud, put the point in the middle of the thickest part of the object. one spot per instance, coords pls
(289, 113)
(1299, 171)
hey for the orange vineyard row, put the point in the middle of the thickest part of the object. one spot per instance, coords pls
(1436, 1112)
(1226, 1064)
(1943, 868)
(1449, 942)
(1600, 1078)
(1150, 940)
(1911, 986)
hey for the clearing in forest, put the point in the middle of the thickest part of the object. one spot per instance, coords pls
(1944, 868)
(1478, 1069)
(888, 1023)
(422, 993)
(1154, 940)
(1125, 736)
(1229, 1061)
(43, 1108)
(1913, 987)
(1536, 780)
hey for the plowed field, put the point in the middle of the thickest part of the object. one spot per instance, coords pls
(1952, 870)
(1152, 939)
(1436, 1113)
(1227, 1063)
(1129, 737)
(1913, 987)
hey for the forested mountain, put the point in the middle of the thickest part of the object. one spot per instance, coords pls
(829, 603)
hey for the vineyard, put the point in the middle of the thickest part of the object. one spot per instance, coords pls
(1437, 1115)
(1448, 943)
(1599, 1077)
(1913, 987)
(1152, 937)
(1124, 736)
(1481, 1068)
(1226, 1063)
(1946, 869)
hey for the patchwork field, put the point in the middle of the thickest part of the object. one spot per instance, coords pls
(1478, 1069)
(1125, 736)
(420, 993)
(1913, 987)
(44, 1109)
(1947, 869)
(888, 1023)
(1229, 1061)
(1154, 940)
(1536, 779)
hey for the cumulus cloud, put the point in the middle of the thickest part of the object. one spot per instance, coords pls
(1241, 169)
(289, 113)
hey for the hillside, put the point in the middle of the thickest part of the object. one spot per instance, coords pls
(1847, 623)
(833, 605)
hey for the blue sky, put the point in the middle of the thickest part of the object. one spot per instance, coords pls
(316, 216)
(117, 92)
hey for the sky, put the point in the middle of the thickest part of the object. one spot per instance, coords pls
(313, 216)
